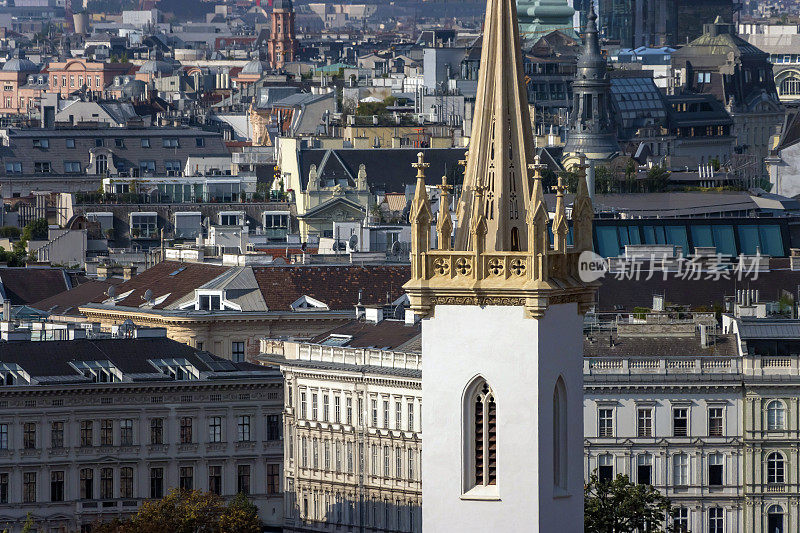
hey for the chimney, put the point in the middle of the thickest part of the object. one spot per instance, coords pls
(703, 335)
(373, 314)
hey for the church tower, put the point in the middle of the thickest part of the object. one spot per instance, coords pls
(591, 128)
(502, 323)
(282, 44)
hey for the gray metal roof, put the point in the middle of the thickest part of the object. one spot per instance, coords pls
(770, 329)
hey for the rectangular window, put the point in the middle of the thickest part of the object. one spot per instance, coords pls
(680, 520)
(146, 167)
(156, 431)
(327, 454)
(119, 143)
(386, 454)
(106, 483)
(237, 351)
(360, 411)
(349, 446)
(70, 143)
(186, 430)
(304, 452)
(273, 427)
(156, 483)
(126, 432)
(314, 406)
(28, 487)
(199, 142)
(126, 482)
(72, 167)
(42, 167)
(3, 487)
(386, 414)
(411, 465)
(106, 432)
(99, 142)
(715, 469)
(326, 407)
(41, 143)
(349, 410)
(715, 421)
(13, 167)
(398, 462)
(273, 478)
(57, 434)
(173, 168)
(605, 468)
(215, 479)
(398, 414)
(605, 419)
(680, 422)
(3, 436)
(303, 405)
(243, 479)
(29, 435)
(374, 413)
(410, 416)
(57, 486)
(337, 409)
(215, 429)
(87, 483)
(145, 143)
(644, 469)
(169, 142)
(716, 520)
(186, 481)
(644, 422)
(680, 469)
(243, 428)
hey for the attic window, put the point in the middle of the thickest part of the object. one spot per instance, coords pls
(13, 374)
(98, 371)
(209, 302)
(177, 369)
(307, 303)
(176, 272)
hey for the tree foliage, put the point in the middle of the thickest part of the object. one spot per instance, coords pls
(182, 511)
(35, 230)
(620, 506)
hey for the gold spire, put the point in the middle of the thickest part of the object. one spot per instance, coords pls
(444, 224)
(420, 217)
(560, 227)
(501, 140)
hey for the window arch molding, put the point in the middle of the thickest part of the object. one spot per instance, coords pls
(776, 415)
(479, 438)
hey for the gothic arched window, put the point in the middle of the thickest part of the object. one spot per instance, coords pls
(560, 435)
(481, 435)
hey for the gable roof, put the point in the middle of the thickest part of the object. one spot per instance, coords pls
(388, 169)
(387, 334)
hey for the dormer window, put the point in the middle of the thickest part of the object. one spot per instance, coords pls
(98, 371)
(209, 302)
(178, 369)
(307, 303)
(13, 374)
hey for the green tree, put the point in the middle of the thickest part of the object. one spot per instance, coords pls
(370, 108)
(619, 506)
(29, 524)
(36, 230)
(184, 511)
(657, 179)
(10, 232)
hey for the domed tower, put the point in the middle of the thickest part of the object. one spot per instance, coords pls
(282, 45)
(591, 127)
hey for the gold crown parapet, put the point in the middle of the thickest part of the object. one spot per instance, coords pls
(543, 275)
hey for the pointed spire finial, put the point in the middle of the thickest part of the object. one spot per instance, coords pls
(420, 165)
(444, 225)
(560, 227)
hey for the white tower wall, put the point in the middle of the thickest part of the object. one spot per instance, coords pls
(521, 360)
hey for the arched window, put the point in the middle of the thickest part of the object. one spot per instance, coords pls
(775, 469)
(775, 519)
(776, 415)
(560, 435)
(481, 436)
(102, 164)
(790, 86)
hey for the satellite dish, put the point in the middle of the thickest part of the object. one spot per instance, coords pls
(353, 242)
(112, 291)
(148, 295)
(396, 248)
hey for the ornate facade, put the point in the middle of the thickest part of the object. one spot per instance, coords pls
(282, 45)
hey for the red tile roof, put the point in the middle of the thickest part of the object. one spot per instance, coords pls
(177, 279)
(67, 302)
(336, 286)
